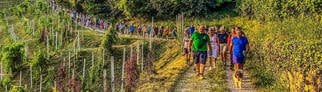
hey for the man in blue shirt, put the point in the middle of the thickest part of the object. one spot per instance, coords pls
(240, 48)
(131, 29)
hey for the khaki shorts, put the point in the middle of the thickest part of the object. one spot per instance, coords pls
(223, 48)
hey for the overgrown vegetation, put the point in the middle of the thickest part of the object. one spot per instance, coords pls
(164, 9)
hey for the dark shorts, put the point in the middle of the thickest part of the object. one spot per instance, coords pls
(238, 60)
(200, 57)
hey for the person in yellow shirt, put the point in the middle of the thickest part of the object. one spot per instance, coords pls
(144, 31)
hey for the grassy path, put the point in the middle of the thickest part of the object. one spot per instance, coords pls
(214, 81)
(190, 83)
(247, 85)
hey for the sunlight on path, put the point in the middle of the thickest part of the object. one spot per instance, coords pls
(190, 83)
(246, 85)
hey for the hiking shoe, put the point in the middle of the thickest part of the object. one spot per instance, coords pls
(210, 68)
(198, 74)
(188, 62)
(201, 77)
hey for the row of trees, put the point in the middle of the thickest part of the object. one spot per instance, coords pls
(146, 8)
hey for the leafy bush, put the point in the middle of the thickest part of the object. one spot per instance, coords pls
(279, 9)
(39, 60)
(109, 40)
(12, 57)
(17, 89)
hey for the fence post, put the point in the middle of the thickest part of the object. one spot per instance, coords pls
(33, 28)
(69, 71)
(138, 54)
(104, 80)
(84, 70)
(20, 76)
(112, 73)
(122, 85)
(40, 83)
(30, 77)
(56, 41)
(142, 63)
(1, 72)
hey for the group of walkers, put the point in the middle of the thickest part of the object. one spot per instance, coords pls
(89, 21)
(122, 28)
(148, 30)
(210, 42)
(205, 43)
(83, 19)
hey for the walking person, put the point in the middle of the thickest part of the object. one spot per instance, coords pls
(148, 30)
(214, 42)
(156, 31)
(167, 32)
(240, 49)
(186, 40)
(144, 31)
(174, 32)
(131, 28)
(161, 31)
(200, 43)
(229, 41)
(223, 43)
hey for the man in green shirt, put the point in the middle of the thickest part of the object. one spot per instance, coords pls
(200, 43)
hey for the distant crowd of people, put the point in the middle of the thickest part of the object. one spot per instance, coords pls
(122, 28)
(148, 30)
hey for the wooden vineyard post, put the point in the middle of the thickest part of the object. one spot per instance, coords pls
(142, 63)
(33, 27)
(104, 72)
(123, 64)
(104, 80)
(40, 83)
(6, 89)
(92, 59)
(20, 76)
(103, 63)
(61, 39)
(47, 45)
(69, 64)
(56, 41)
(1, 72)
(73, 77)
(112, 74)
(78, 36)
(84, 70)
(138, 54)
(152, 29)
(131, 53)
(30, 77)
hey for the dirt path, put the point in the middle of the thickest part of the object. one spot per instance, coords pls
(189, 83)
(247, 86)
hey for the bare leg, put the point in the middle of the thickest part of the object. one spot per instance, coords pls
(223, 58)
(214, 65)
(197, 67)
(235, 68)
(210, 62)
(202, 68)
